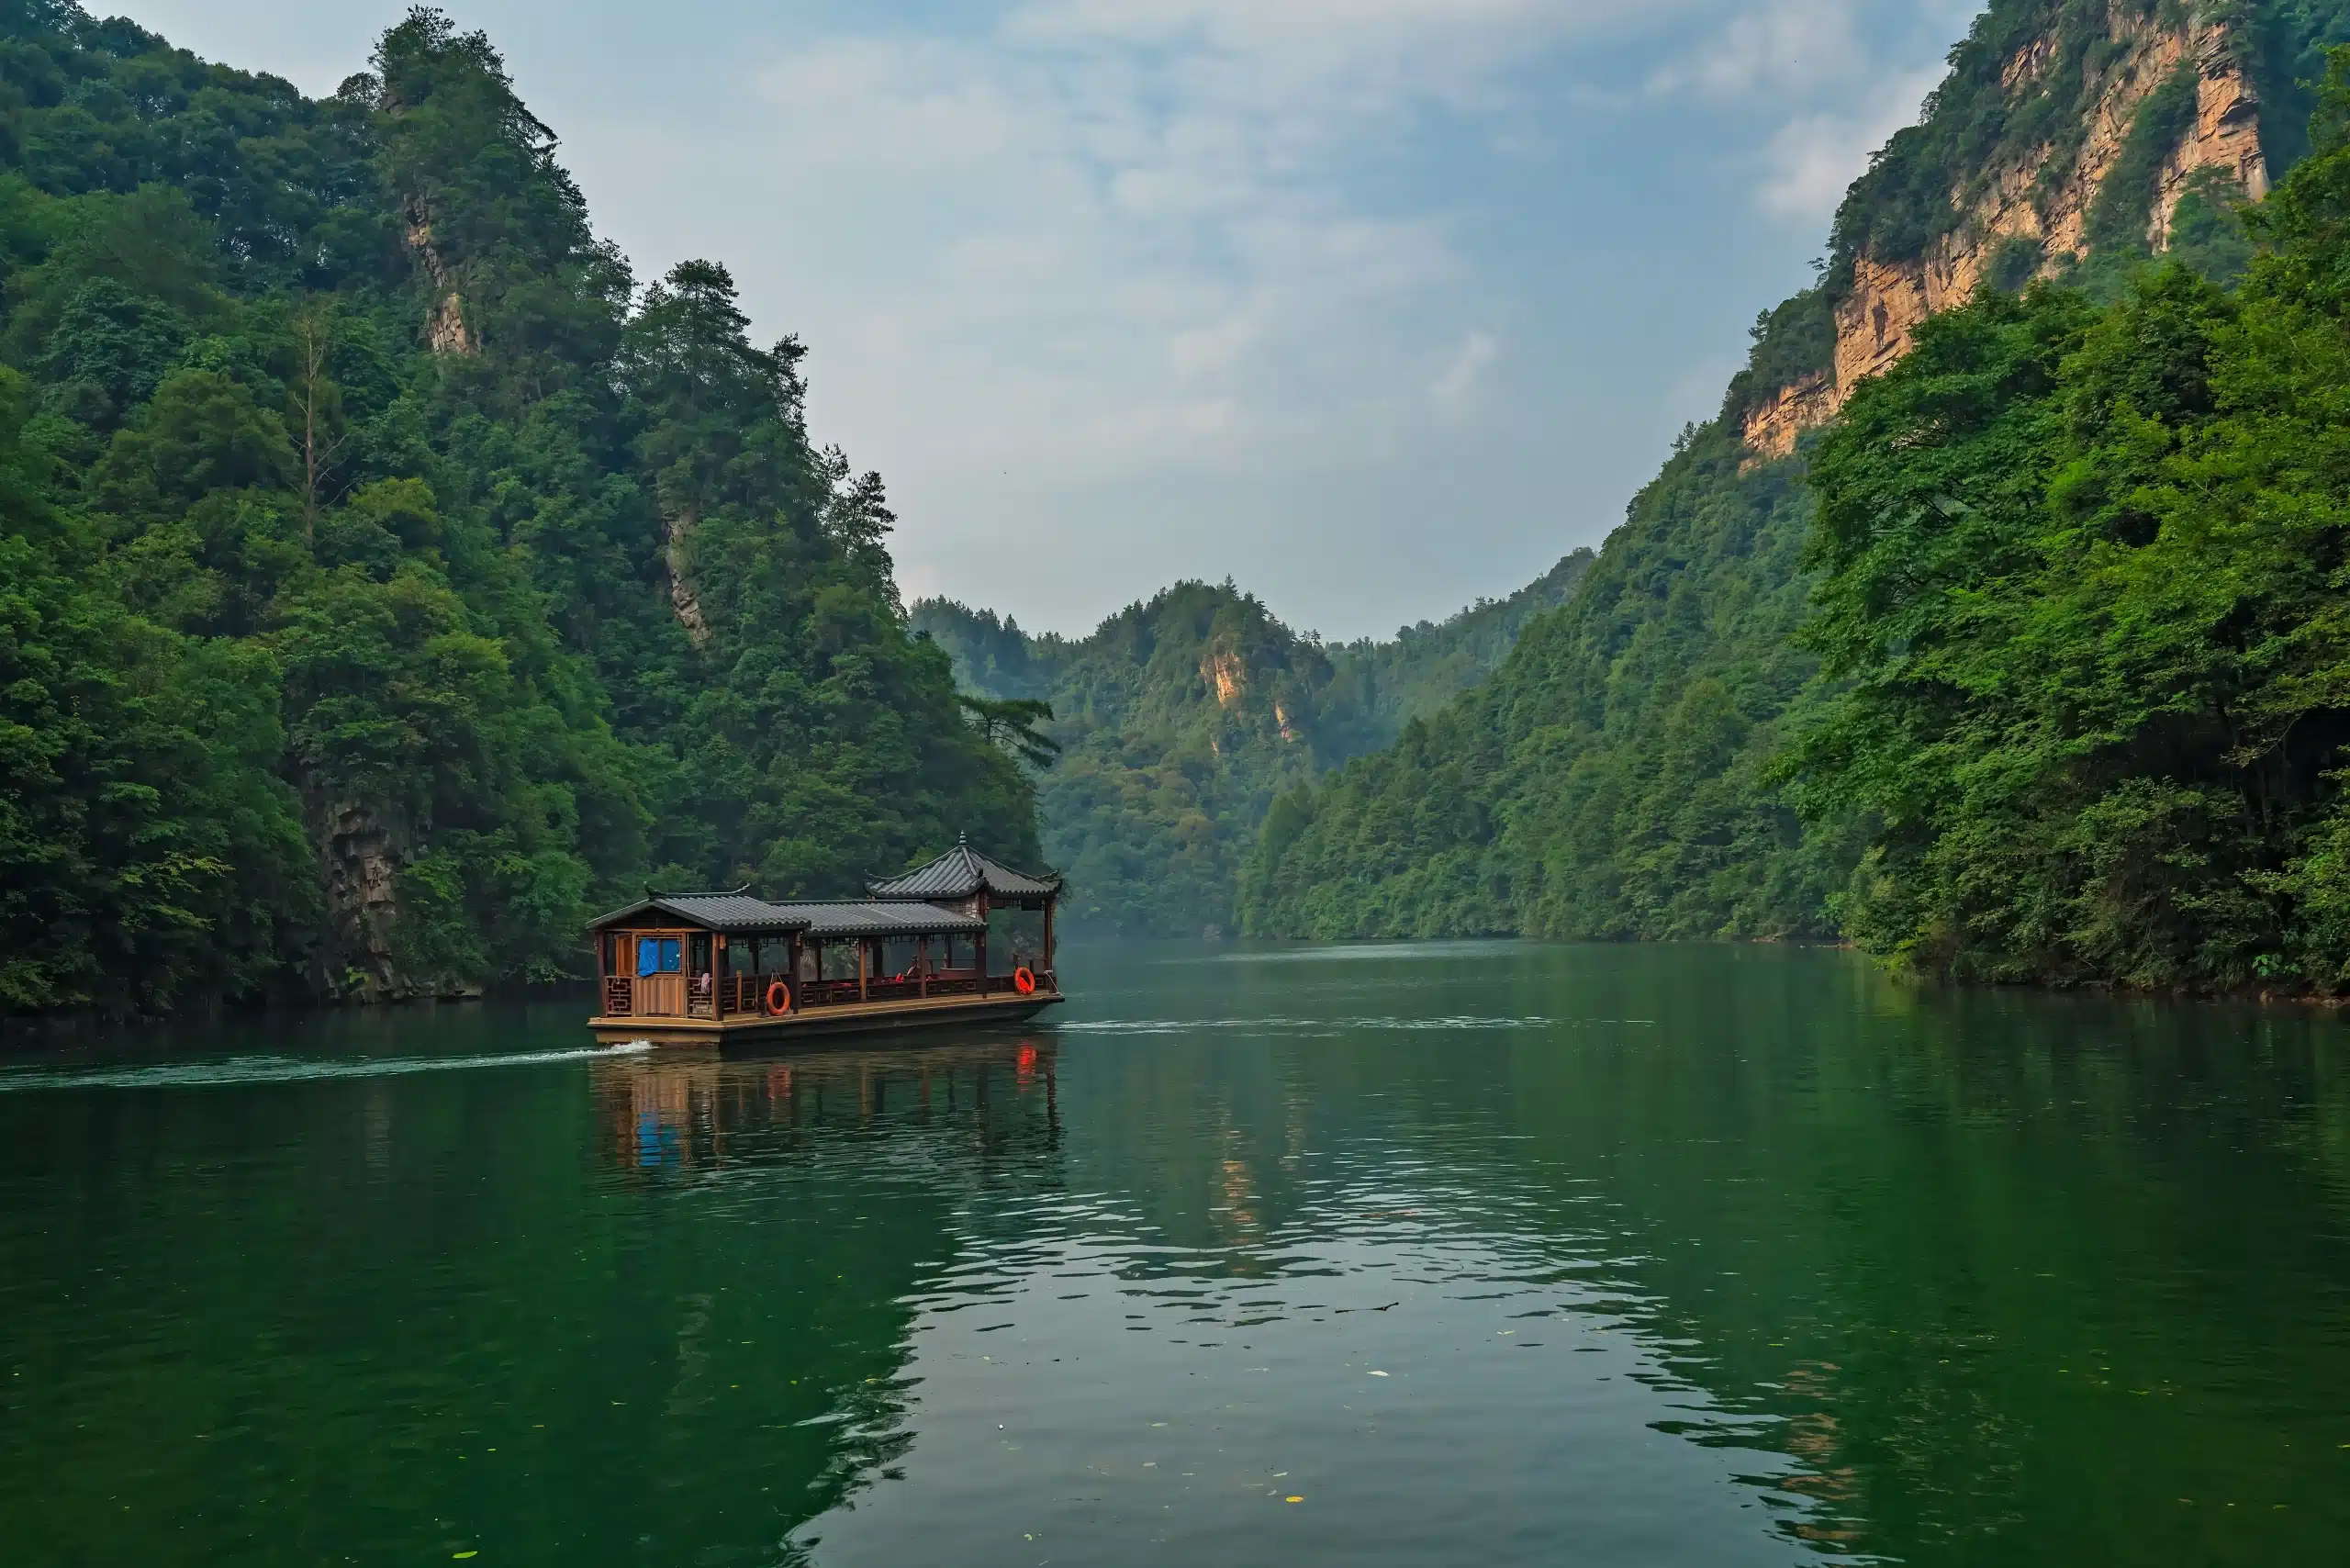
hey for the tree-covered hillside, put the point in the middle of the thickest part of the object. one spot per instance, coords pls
(1609, 781)
(1423, 666)
(2085, 572)
(2073, 570)
(1180, 720)
(389, 580)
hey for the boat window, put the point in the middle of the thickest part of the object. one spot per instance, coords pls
(659, 956)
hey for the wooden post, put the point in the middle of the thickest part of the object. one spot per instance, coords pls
(719, 978)
(980, 942)
(862, 947)
(1049, 934)
(921, 965)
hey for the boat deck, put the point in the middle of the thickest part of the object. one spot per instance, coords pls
(838, 1018)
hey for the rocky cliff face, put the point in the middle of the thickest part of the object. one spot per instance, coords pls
(2023, 206)
(358, 862)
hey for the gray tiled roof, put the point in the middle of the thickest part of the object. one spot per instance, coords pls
(959, 873)
(737, 912)
(720, 912)
(880, 919)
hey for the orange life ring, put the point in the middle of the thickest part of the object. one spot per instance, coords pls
(779, 999)
(1023, 981)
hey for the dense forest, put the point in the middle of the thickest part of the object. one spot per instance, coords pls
(388, 577)
(2083, 574)
(1179, 720)
(1612, 779)
(2030, 667)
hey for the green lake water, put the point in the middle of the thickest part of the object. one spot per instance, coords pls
(1487, 1254)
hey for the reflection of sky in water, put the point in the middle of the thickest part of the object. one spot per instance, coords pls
(1433, 1389)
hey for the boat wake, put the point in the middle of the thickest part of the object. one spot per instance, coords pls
(283, 1070)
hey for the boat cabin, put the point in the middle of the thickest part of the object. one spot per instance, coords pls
(916, 950)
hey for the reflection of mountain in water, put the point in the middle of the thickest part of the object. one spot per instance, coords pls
(823, 1189)
(1963, 1259)
(1718, 1255)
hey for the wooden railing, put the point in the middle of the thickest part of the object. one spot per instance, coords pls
(748, 993)
(745, 995)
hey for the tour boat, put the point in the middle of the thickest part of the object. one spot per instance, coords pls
(682, 968)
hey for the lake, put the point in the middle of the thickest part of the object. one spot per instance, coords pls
(1463, 1253)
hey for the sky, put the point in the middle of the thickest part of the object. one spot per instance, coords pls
(1373, 306)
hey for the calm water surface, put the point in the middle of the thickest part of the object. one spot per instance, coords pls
(1462, 1254)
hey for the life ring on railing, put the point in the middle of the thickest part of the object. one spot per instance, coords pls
(779, 999)
(1023, 980)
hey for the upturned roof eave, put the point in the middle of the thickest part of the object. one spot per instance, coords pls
(977, 871)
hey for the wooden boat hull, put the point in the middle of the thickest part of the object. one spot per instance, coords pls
(846, 1018)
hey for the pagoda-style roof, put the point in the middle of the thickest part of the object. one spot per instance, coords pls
(736, 913)
(959, 873)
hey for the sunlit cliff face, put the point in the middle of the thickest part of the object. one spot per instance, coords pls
(1877, 322)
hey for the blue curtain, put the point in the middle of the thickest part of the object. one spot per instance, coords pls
(658, 956)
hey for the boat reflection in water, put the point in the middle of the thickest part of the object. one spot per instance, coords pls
(690, 1108)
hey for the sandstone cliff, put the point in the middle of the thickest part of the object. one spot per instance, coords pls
(2036, 203)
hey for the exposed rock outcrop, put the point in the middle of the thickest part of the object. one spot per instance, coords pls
(1224, 672)
(2226, 135)
(1877, 318)
(683, 600)
(1771, 431)
(445, 330)
(358, 863)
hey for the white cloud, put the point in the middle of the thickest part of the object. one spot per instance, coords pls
(1811, 161)
(1780, 46)
(1118, 290)
(1452, 390)
(1826, 63)
(1108, 253)
(1119, 236)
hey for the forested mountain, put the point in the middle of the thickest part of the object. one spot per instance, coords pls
(1610, 780)
(1424, 667)
(1180, 720)
(2069, 558)
(2084, 571)
(388, 579)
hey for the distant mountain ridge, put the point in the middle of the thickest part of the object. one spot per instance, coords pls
(1183, 717)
